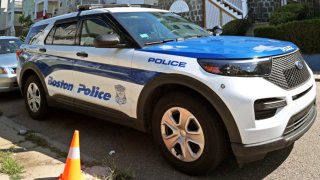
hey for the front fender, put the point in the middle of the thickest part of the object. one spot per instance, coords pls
(202, 89)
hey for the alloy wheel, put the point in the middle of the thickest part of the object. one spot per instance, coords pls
(33, 97)
(182, 134)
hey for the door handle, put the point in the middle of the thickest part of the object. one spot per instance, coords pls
(43, 50)
(82, 54)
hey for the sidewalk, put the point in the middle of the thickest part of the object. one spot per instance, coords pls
(317, 76)
(38, 162)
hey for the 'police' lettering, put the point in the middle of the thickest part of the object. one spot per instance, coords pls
(93, 92)
(167, 62)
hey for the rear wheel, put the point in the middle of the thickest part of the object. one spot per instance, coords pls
(190, 135)
(35, 99)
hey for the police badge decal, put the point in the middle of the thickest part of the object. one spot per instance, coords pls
(120, 94)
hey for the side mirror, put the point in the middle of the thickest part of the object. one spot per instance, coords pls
(106, 41)
(217, 30)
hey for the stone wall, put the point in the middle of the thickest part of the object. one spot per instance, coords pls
(262, 9)
(317, 7)
(312, 6)
(196, 10)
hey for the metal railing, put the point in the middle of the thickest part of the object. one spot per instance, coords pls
(235, 4)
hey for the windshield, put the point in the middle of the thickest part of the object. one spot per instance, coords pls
(149, 27)
(9, 45)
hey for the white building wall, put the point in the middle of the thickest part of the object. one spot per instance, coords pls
(9, 15)
(3, 14)
(215, 16)
(212, 15)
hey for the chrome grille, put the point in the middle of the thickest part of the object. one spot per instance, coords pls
(284, 72)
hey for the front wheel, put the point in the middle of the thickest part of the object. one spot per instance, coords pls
(35, 98)
(189, 133)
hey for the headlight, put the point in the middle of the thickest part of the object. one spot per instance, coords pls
(3, 70)
(248, 68)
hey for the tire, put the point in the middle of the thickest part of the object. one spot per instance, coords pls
(209, 150)
(35, 98)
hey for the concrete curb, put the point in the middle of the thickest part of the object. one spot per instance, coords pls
(39, 162)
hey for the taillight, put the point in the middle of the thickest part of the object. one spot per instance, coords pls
(3, 70)
(19, 52)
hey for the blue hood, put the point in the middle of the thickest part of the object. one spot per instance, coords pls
(224, 47)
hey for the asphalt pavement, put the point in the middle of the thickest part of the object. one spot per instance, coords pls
(137, 154)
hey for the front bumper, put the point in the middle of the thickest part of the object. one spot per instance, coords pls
(8, 83)
(252, 152)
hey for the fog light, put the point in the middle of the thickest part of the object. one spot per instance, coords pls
(267, 108)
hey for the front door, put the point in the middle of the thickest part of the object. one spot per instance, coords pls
(103, 75)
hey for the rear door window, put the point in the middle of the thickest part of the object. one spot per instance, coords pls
(34, 34)
(65, 34)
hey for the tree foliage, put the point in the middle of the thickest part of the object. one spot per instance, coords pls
(25, 22)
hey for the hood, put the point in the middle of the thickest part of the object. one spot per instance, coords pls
(8, 60)
(224, 47)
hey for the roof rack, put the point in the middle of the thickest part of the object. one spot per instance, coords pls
(96, 6)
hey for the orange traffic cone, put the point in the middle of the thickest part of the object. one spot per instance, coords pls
(72, 169)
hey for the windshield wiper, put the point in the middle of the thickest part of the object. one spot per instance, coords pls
(162, 41)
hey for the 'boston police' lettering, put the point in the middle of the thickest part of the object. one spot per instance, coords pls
(94, 91)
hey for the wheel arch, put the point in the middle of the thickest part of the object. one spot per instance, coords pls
(163, 84)
(28, 70)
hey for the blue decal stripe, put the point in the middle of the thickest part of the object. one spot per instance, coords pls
(50, 64)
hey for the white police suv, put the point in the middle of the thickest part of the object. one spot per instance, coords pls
(199, 95)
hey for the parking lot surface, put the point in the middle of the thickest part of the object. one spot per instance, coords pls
(137, 154)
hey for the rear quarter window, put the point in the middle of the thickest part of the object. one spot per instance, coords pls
(34, 34)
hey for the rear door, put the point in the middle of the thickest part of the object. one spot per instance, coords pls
(58, 64)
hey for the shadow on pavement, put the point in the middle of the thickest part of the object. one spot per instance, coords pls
(10, 96)
(255, 170)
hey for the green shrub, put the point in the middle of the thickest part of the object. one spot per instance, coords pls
(237, 27)
(290, 12)
(267, 32)
(282, 17)
(305, 34)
